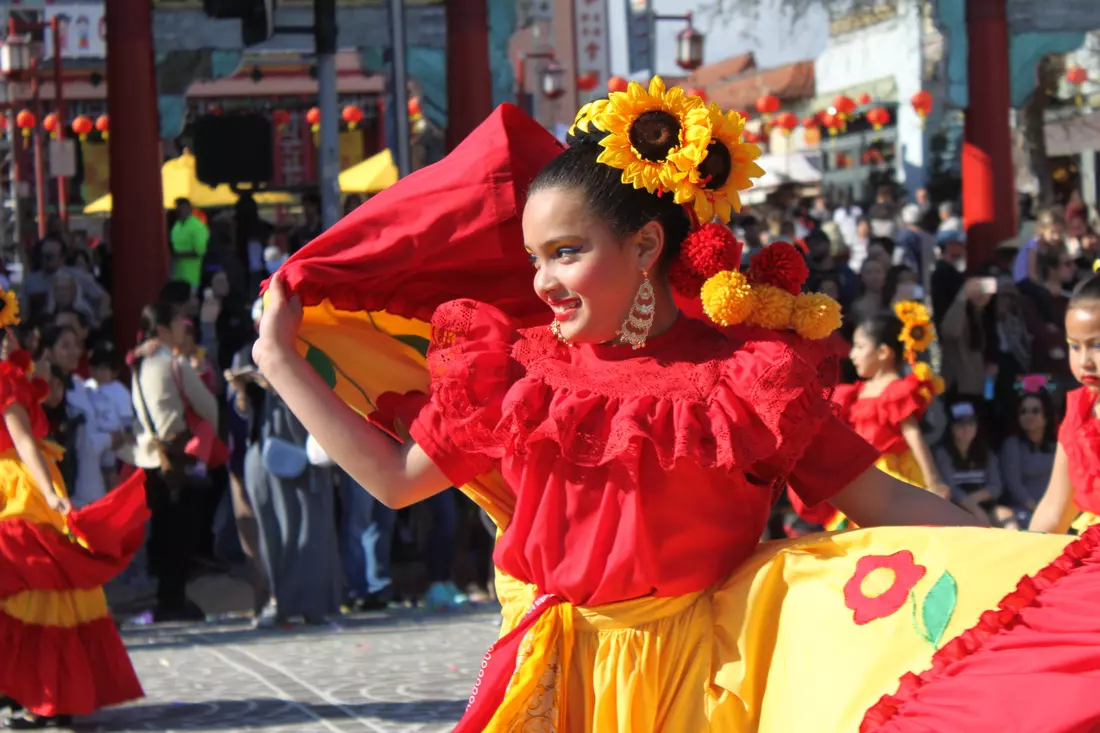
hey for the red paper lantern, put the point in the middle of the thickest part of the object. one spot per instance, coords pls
(810, 123)
(588, 82)
(767, 104)
(49, 124)
(280, 118)
(26, 121)
(103, 126)
(786, 121)
(745, 114)
(864, 99)
(617, 84)
(83, 125)
(922, 103)
(878, 117)
(313, 119)
(844, 107)
(697, 92)
(1076, 75)
(414, 109)
(831, 121)
(352, 115)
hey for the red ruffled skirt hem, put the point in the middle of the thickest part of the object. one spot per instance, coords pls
(53, 670)
(1032, 663)
(38, 557)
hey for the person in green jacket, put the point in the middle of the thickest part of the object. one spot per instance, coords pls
(189, 238)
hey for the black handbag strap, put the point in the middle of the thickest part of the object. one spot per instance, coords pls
(144, 404)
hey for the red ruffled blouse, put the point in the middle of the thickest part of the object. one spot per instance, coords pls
(1079, 435)
(635, 473)
(878, 419)
(17, 386)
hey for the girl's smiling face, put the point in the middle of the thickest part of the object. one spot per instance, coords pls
(587, 275)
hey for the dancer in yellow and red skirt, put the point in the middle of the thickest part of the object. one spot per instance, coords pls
(1072, 499)
(60, 652)
(630, 454)
(885, 407)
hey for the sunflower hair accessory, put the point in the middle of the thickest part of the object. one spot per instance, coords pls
(769, 295)
(9, 309)
(917, 331)
(930, 385)
(672, 143)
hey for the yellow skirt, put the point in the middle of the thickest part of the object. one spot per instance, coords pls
(807, 635)
(20, 498)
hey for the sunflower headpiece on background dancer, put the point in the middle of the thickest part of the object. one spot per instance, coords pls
(9, 309)
(672, 143)
(917, 334)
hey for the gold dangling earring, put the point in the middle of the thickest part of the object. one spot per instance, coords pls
(555, 328)
(639, 320)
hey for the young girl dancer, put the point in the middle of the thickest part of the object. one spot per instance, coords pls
(885, 408)
(60, 652)
(1072, 499)
(631, 454)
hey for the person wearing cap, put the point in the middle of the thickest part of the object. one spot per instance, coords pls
(969, 467)
(948, 274)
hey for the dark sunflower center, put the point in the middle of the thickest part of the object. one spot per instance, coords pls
(655, 134)
(716, 167)
(917, 333)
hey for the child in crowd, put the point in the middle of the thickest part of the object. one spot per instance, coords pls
(1073, 496)
(110, 400)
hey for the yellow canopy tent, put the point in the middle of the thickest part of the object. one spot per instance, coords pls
(374, 174)
(179, 180)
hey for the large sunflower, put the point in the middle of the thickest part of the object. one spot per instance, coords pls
(9, 309)
(655, 137)
(727, 168)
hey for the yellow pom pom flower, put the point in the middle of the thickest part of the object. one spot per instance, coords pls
(815, 316)
(923, 372)
(772, 307)
(727, 298)
(9, 309)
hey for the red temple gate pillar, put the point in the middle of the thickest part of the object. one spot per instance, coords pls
(137, 227)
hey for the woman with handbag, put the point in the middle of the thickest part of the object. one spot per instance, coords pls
(165, 391)
(293, 497)
(60, 652)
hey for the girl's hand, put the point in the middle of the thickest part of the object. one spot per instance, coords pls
(58, 503)
(278, 327)
(146, 349)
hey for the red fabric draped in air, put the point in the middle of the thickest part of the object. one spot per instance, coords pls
(448, 231)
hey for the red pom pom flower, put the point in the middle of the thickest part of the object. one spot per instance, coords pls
(708, 250)
(21, 360)
(780, 264)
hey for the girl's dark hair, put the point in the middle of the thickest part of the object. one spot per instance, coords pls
(885, 330)
(176, 292)
(52, 334)
(160, 313)
(1050, 433)
(624, 208)
(977, 456)
(1086, 291)
(104, 354)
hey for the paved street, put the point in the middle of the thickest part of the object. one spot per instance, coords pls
(407, 670)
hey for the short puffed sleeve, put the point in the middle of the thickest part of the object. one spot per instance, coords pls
(471, 365)
(905, 399)
(835, 457)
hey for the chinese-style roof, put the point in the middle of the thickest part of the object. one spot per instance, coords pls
(721, 71)
(790, 82)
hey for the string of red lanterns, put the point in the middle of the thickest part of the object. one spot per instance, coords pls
(785, 122)
(26, 121)
(922, 103)
(83, 126)
(103, 126)
(879, 117)
(50, 124)
(767, 105)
